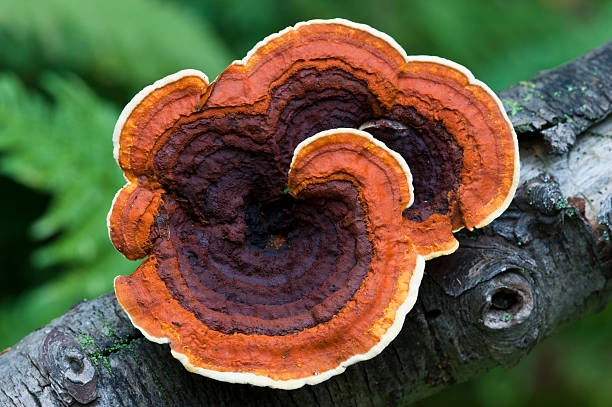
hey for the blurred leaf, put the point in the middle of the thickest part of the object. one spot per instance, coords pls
(63, 147)
(502, 42)
(116, 45)
(567, 39)
(35, 308)
(16, 241)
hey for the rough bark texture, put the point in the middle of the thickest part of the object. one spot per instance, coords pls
(543, 264)
(560, 104)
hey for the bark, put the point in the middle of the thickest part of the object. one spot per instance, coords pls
(544, 263)
(560, 104)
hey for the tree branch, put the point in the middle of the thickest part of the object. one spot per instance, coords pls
(544, 263)
(560, 104)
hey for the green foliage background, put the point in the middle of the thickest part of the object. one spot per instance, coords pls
(67, 67)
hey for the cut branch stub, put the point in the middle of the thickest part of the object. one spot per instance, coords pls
(239, 249)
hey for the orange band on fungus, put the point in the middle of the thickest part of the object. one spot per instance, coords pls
(333, 165)
(276, 272)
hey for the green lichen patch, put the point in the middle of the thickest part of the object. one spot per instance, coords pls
(100, 355)
(525, 128)
(95, 353)
(512, 107)
(107, 325)
(527, 84)
(561, 204)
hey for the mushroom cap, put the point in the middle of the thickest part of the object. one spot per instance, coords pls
(270, 259)
(341, 165)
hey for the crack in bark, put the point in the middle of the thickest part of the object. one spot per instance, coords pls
(35, 398)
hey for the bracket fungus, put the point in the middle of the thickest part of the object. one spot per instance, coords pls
(283, 232)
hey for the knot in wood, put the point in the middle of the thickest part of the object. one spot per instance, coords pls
(508, 301)
(71, 372)
(544, 195)
(505, 314)
(539, 210)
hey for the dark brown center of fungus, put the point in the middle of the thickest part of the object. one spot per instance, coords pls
(434, 157)
(246, 249)
(291, 264)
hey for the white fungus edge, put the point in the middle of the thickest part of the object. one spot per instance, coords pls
(125, 114)
(140, 96)
(415, 281)
(316, 378)
(416, 58)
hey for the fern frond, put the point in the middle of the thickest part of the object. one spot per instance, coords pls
(63, 147)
